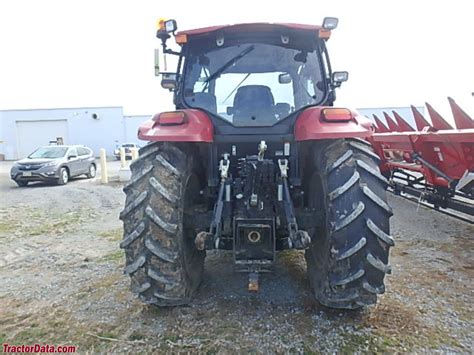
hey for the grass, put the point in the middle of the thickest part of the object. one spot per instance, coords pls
(366, 343)
(115, 257)
(56, 225)
(100, 287)
(7, 227)
(114, 234)
(136, 336)
(28, 222)
(374, 331)
(59, 327)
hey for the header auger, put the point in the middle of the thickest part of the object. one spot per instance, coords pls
(434, 162)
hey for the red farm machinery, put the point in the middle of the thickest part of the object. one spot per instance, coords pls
(256, 159)
(432, 161)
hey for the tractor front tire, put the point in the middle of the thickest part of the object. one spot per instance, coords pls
(161, 259)
(348, 257)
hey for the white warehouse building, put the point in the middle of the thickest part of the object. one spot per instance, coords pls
(22, 131)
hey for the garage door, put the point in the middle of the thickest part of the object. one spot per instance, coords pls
(34, 134)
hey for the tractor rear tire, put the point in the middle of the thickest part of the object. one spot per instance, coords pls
(161, 259)
(348, 257)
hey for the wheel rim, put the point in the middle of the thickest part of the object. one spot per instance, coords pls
(65, 176)
(92, 171)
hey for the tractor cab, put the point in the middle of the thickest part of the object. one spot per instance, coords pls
(252, 75)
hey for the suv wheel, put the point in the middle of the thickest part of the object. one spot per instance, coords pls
(92, 171)
(63, 176)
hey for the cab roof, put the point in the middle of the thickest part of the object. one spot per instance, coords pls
(257, 26)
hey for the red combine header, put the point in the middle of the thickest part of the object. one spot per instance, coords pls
(434, 162)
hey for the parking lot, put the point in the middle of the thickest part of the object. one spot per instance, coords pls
(62, 283)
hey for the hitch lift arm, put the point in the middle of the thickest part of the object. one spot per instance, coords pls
(298, 239)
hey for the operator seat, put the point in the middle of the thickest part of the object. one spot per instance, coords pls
(253, 105)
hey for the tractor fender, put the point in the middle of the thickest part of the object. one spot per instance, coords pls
(311, 125)
(196, 127)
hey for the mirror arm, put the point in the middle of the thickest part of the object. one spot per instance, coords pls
(166, 50)
(170, 51)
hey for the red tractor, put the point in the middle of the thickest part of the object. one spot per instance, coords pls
(255, 159)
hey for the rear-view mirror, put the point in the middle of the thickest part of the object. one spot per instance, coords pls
(169, 81)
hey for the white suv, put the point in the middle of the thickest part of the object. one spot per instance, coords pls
(128, 150)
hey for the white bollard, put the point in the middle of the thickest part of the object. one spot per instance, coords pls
(123, 162)
(104, 176)
(124, 172)
(134, 153)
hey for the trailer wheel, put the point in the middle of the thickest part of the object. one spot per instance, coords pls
(348, 257)
(164, 266)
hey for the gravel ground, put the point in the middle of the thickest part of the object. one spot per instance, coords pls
(62, 283)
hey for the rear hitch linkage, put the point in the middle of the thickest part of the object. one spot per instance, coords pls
(254, 236)
(210, 240)
(298, 239)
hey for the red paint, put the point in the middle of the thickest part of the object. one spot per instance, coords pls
(392, 126)
(197, 127)
(380, 127)
(249, 27)
(401, 123)
(461, 118)
(420, 120)
(439, 122)
(310, 125)
(449, 150)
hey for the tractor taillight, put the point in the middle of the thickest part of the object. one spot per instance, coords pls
(171, 118)
(337, 114)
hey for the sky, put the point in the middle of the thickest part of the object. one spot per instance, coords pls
(100, 53)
